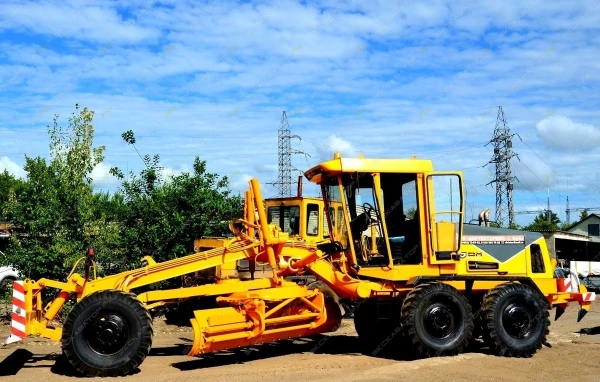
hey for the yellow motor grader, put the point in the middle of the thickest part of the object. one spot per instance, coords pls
(425, 274)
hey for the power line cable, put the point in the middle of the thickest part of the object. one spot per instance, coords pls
(550, 167)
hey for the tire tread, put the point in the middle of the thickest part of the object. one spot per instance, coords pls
(408, 319)
(497, 345)
(133, 363)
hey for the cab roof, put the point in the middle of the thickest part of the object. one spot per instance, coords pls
(293, 199)
(369, 165)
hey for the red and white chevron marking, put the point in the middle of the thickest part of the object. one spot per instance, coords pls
(589, 296)
(563, 285)
(17, 329)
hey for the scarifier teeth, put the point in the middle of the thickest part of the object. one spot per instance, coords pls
(581, 314)
(559, 312)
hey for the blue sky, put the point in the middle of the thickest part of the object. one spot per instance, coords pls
(381, 78)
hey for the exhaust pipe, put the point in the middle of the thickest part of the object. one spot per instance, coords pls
(484, 217)
(299, 186)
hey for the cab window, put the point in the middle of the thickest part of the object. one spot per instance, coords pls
(312, 219)
(340, 220)
(333, 223)
(286, 217)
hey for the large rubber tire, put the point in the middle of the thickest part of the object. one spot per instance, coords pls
(325, 289)
(329, 294)
(517, 320)
(365, 319)
(108, 333)
(374, 332)
(437, 320)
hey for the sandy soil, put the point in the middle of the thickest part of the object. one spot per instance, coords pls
(574, 354)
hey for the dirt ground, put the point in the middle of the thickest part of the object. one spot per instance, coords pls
(574, 355)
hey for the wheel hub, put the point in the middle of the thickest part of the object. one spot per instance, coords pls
(108, 334)
(517, 321)
(439, 320)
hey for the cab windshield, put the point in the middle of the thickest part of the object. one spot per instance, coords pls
(333, 197)
(384, 230)
(286, 217)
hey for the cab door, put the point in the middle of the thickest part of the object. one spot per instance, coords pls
(446, 215)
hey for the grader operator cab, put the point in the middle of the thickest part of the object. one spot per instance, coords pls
(441, 282)
(302, 218)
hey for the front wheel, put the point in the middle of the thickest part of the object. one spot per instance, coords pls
(437, 320)
(108, 333)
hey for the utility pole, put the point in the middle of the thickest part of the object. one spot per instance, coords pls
(568, 211)
(285, 151)
(548, 209)
(503, 154)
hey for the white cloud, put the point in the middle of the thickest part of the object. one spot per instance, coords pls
(389, 78)
(334, 144)
(562, 133)
(532, 174)
(101, 176)
(80, 21)
(11, 167)
(168, 173)
(240, 182)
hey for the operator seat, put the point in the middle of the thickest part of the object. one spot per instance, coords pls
(395, 222)
(357, 226)
(412, 244)
(295, 226)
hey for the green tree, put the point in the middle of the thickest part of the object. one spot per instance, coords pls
(105, 232)
(583, 214)
(10, 187)
(514, 226)
(57, 215)
(564, 226)
(164, 216)
(546, 220)
(53, 210)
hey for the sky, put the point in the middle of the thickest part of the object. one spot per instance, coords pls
(386, 79)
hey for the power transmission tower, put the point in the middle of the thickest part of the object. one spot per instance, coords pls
(285, 151)
(503, 154)
(569, 210)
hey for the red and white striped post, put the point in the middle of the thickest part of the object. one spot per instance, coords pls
(17, 329)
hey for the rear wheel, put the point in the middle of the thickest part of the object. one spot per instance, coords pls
(108, 333)
(517, 320)
(374, 327)
(437, 320)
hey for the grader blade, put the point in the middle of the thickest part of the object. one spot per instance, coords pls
(251, 320)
